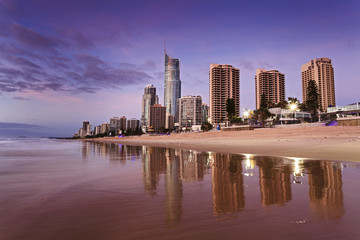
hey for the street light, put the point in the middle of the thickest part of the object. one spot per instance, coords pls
(246, 114)
(293, 107)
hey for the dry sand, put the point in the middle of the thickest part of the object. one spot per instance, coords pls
(326, 143)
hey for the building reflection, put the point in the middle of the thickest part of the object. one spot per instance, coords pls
(275, 181)
(173, 167)
(86, 148)
(227, 183)
(325, 189)
(154, 164)
(173, 187)
(176, 166)
(116, 152)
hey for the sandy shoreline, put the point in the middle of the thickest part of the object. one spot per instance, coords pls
(325, 143)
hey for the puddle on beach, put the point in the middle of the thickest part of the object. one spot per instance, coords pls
(84, 190)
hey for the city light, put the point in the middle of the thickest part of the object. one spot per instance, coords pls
(246, 113)
(293, 106)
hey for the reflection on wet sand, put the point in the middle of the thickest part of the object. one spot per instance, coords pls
(325, 189)
(276, 176)
(274, 181)
(227, 183)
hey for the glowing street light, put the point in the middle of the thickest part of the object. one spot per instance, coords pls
(246, 114)
(293, 107)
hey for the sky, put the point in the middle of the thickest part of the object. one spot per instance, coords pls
(64, 62)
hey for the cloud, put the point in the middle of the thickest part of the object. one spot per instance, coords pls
(266, 65)
(21, 99)
(10, 129)
(33, 61)
(33, 39)
(247, 65)
(10, 125)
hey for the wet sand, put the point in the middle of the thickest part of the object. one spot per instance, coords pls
(322, 142)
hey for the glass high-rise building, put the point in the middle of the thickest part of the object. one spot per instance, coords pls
(172, 84)
(149, 98)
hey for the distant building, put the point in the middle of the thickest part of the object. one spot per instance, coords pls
(149, 98)
(89, 131)
(172, 84)
(85, 125)
(321, 71)
(97, 130)
(204, 112)
(169, 122)
(157, 117)
(133, 124)
(224, 84)
(81, 133)
(123, 123)
(105, 127)
(271, 85)
(189, 111)
(115, 124)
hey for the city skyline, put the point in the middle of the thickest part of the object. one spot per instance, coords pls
(63, 63)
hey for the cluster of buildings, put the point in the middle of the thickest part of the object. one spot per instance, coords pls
(189, 112)
(117, 125)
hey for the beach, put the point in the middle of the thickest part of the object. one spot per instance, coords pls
(320, 142)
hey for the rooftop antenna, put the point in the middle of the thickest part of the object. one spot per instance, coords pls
(164, 45)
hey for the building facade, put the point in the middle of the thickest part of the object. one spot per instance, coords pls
(123, 123)
(189, 111)
(224, 84)
(115, 124)
(169, 122)
(157, 117)
(149, 98)
(204, 112)
(271, 85)
(321, 71)
(133, 124)
(172, 84)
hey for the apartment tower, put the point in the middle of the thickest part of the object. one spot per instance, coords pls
(321, 71)
(189, 111)
(224, 84)
(149, 98)
(157, 117)
(172, 84)
(271, 85)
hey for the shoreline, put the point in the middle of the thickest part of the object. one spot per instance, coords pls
(334, 143)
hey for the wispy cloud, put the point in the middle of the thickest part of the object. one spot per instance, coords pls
(38, 62)
(21, 98)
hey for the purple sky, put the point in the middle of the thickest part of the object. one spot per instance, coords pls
(62, 62)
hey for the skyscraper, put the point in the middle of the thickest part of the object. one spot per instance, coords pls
(271, 85)
(321, 71)
(224, 84)
(189, 111)
(149, 98)
(172, 84)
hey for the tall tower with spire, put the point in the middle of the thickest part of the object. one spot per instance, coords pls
(172, 84)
